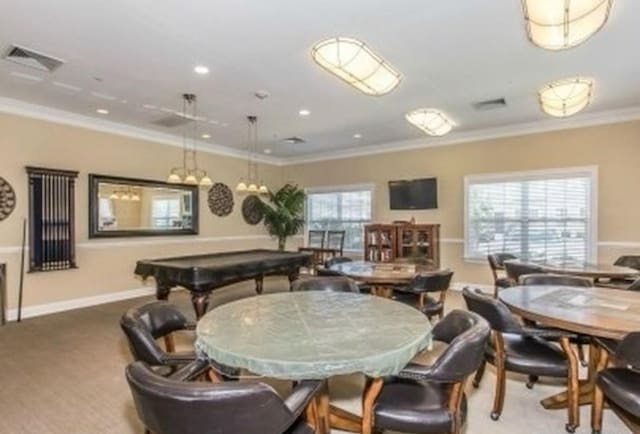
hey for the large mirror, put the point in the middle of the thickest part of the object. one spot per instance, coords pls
(126, 207)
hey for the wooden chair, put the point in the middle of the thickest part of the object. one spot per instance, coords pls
(496, 264)
(424, 399)
(316, 239)
(335, 240)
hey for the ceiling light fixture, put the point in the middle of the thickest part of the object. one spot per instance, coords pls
(562, 24)
(206, 136)
(267, 151)
(102, 111)
(189, 172)
(431, 121)
(304, 112)
(251, 184)
(357, 136)
(201, 69)
(566, 97)
(354, 62)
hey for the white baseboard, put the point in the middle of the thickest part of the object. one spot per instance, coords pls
(77, 303)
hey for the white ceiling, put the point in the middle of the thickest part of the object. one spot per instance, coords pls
(451, 54)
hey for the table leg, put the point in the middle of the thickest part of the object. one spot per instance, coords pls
(259, 284)
(200, 301)
(162, 291)
(371, 392)
(293, 276)
(573, 392)
(344, 420)
(323, 410)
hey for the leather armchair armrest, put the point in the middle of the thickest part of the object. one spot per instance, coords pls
(190, 326)
(302, 395)
(179, 358)
(190, 371)
(547, 333)
(413, 371)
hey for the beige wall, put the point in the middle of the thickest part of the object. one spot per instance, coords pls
(107, 266)
(614, 148)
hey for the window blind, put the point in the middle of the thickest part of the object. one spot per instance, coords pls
(539, 217)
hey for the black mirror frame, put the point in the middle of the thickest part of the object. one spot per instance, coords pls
(94, 182)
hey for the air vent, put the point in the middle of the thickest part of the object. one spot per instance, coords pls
(172, 121)
(490, 104)
(293, 140)
(32, 59)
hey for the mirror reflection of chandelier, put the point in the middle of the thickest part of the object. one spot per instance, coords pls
(189, 172)
(251, 183)
(125, 194)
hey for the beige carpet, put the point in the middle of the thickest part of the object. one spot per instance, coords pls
(63, 374)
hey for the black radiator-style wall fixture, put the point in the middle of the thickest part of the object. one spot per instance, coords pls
(51, 219)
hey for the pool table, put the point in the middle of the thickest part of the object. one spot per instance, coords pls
(201, 274)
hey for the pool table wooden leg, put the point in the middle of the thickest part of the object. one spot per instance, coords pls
(162, 291)
(200, 302)
(259, 284)
(293, 276)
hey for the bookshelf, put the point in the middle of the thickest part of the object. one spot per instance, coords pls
(389, 242)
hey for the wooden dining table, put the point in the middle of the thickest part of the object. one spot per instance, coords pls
(584, 269)
(595, 312)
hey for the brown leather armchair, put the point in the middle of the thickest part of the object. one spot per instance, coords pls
(496, 264)
(328, 283)
(517, 348)
(619, 385)
(167, 406)
(555, 279)
(416, 292)
(517, 269)
(431, 399)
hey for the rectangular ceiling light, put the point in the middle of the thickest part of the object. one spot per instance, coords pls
(352, 61)
(431, 121)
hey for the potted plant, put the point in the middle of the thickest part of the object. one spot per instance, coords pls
(284, 213)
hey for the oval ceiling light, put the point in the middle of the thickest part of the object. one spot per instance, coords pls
(354, 62)
(566, 97)
(562, 24)
(201, 69)
(431, 121)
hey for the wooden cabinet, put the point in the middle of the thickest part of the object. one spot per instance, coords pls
(389, 242)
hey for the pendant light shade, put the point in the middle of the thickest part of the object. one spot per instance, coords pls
(566, 97)
(354, 62)
(432, 121)
(562, 24)
(174, 178)
(251, 184)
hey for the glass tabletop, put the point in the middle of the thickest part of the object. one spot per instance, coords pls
(314, 335)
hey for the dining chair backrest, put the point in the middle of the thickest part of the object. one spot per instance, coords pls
(431, 282)
(336, 260)
(516, 269)
(328, 283)
(466, 334)
(630, 261)
(143, 325)
(555, 279)
(335, 240)
(496, 261)
(316, 239)
(167, 406)
(494, 311)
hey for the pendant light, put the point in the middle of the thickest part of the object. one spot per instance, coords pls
(189, 172)
(251, 183)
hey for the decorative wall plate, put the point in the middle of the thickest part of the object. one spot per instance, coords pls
(252, 210)
(7, 199)
(220, 199)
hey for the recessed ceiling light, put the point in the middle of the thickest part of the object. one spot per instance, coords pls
(357, 136)
(562, 98)
(431, 121)
(304, 112)
(206, 136)
(267, 151)
(354, 62)
(102, 111)
(558, 25)
(201, 69)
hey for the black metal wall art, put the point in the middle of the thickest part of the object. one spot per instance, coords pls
(220, 199)
(252, 210)
(7, 199)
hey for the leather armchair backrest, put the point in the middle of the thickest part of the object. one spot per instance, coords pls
(171, 407)
(628, 351)
(494, 311)
(145, 324)
(631, 261)
(516, 269)
(635, 286)
(496, 260)
(336, 260)
(555, 279)
(432, 282)
(467, 335)
(329, 283)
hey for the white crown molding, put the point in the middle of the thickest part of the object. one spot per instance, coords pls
(546, 125)
(21, 108)
(78, 303)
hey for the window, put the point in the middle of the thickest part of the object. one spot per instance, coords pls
(540, 216)
(340, 208)
(166, 212)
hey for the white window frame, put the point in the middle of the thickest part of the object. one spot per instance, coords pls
(338, 189)
(563, 172)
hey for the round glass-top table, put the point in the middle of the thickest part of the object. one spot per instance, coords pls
(314, 335)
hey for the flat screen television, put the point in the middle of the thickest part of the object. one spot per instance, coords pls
(413, 194)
